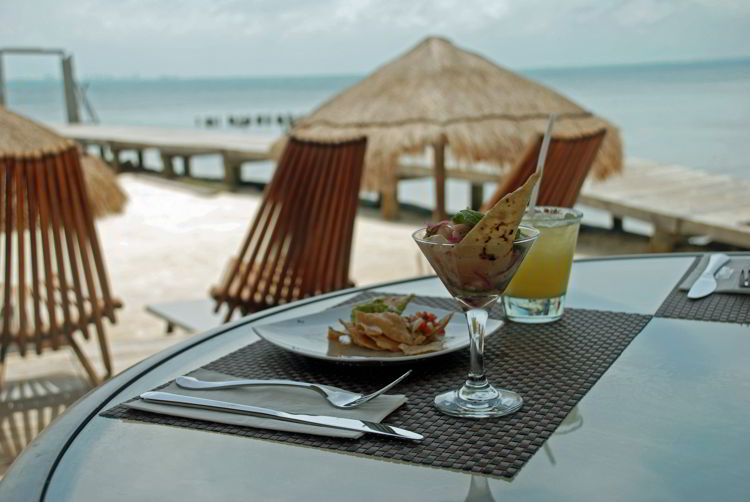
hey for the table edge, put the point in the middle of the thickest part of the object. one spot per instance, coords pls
(42, 456)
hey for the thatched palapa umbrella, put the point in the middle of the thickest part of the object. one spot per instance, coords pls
(54, 281)
(439, 95)
(20, 136)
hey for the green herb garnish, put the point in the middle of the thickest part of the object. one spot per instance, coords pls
(384, 304)
(467, 217)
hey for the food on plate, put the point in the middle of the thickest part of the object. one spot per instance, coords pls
(380, 325)
(476, 255)
(395, 304)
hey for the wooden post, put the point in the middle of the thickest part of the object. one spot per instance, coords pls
(186, 165)
(116, 160)
(662, 241)
(2, 89)
(231, 173)
(71, 99)
(476, 195)
(439, 168)
(167, 165)
(389, 209)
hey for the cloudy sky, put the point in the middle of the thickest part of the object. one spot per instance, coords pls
(152, 38)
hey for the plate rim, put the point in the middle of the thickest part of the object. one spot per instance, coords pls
(368, 359)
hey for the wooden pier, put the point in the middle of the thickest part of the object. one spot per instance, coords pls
(235, 148)
(678, 201)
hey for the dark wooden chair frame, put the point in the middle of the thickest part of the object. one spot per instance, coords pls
(567, 164)
(299, 242)
(54, 278)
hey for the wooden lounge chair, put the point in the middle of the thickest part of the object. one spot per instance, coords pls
(54, 280)
(566, 166)
(299, 242)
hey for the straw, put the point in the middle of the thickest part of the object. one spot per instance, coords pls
(540, 161)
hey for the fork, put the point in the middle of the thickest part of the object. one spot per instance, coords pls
(337, 398)
(745, 278)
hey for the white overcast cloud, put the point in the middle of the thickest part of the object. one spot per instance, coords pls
(265, 37)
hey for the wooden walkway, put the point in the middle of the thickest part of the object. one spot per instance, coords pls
(678, 201)
(235, 148)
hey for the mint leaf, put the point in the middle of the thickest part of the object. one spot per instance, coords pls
(467, 217)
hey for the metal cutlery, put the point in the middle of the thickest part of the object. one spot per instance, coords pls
(706, 284)
(745, 278)
(337, 398)
(348, 424)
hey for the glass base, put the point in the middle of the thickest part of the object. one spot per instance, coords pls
(503, 402)
(534, 310)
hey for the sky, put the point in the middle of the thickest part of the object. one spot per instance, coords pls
(213, 38)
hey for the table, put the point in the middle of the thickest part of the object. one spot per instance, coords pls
(667, 421)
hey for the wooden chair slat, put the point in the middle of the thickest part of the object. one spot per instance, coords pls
(56, 229)
(34, 254)
(8, 313)
(356, 179)
(78, 223)
(40, 189)
(293, 275)
(319, 231)
(20, 224)
(288, 211)
(567, 164)
(68, 232)
(299, 242)
(340, 178)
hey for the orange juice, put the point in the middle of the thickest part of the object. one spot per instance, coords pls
(537, 292)
(545, 271)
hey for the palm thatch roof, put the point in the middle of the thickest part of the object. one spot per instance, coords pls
(24, 139)
(105, 195)
(438, 93)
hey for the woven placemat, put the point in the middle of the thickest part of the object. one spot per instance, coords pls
(718, 307)
(552, 366)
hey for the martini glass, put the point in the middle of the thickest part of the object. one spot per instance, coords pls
(476, 276)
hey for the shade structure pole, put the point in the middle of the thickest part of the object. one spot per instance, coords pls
(2, 81)
(69, 85)
(438, 213)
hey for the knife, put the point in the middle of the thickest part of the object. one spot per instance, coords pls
(705, 284)
(347, 424)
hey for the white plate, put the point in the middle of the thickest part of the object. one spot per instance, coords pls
(308, 336)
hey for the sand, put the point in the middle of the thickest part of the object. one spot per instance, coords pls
(172, 242)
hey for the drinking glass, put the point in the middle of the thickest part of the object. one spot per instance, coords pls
(476, 278)
(537, 292)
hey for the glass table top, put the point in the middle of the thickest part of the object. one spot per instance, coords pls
(667, 421)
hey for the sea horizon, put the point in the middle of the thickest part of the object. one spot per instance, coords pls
(261, 76)
(686, 113)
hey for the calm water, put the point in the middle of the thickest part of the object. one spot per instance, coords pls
(697, 115)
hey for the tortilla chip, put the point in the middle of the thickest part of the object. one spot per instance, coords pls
(386, 343)
(391, 325)
(399, 302)
(496, 231)
(359, 338)
(412, 350)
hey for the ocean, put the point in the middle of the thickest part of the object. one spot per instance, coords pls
(692, 114)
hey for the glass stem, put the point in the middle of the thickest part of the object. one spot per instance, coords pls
(477, 319)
